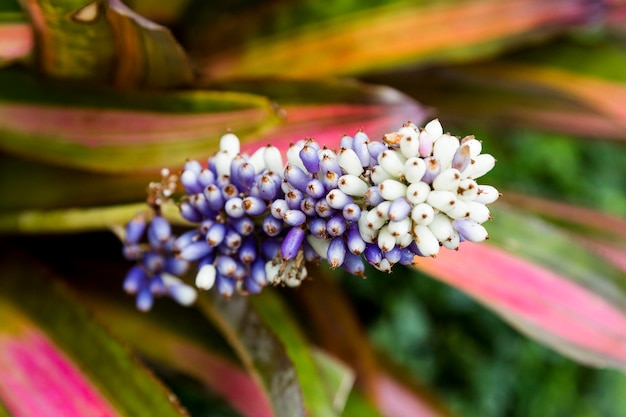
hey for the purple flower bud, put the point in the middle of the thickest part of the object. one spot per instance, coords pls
(235, 167)
(191, 182)
(462, 157)
(329, 164)
(373, 254)
(226, 266)
(355, 242)
(310, 158)
(307, 206)
(195, 251)
(251, 287)
(248, 251)
(351, 212)
(294, 199)
(278, 208)
(144, 299)
(160, 228)
(257, 272)
(433, 168)
(407, 256)
(157, 286)
(206, 178)
(214, 197)
(230, 191)
(323, 209)
(185, 239)
(135, 229)
(193, 166)
(134, 280)
(330, 180)
(315, 188)
(176, 266)
(354, 264)
(246, 175)
(292, 243)
(317, 227)
(225, 286)
(394, 255)
(234, 207)
(254, 206)
(375, 148)
(270, 248)
(243, 225)
(216, 234)
(201, 204)
(268, 188)
(360, 148)
(336, 253)
(336, 225)
(153, 261)
(189, 213)
(399, 209)
(131, 252)
(296, 177)
(373, 197)
(272, 226)
(294, 217)
(232, 239)
(346, 142)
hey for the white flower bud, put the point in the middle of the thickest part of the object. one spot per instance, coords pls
(467, 190)
(434, 129)
(441, 200)
(453, 242)
(386, 241)
(414, 169)
(273, 159)
(405, 240)
(447, 180)
(409, 143)
(229, 143)
(426, 144)
(423, 214)
(320, 246)
(444, 149)
(426, 241)
(258, 161)
(378, 175)
(368, 234)
(441, 227)
(222, 161)
(475, 146)
(392, 189)
(392, 162)
(417, 192)
(478, 212)
(350, 162)
(481, 165)
(382, 210)
(399, 227)
(271, 271)
(293, 155)
(486, 194)
(352, 185)
(206, 277)
(460, 210)
(384, 266)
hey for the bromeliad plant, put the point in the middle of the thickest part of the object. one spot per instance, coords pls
(96, 97)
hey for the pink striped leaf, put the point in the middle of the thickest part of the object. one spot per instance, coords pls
(55, 361)
(544, 284)
(16, 38)
(301, 39)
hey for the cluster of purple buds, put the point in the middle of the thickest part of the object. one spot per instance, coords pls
(259, 220)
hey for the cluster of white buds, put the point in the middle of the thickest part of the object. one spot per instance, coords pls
(260, 219)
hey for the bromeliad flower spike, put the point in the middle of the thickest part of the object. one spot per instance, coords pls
(259, 220)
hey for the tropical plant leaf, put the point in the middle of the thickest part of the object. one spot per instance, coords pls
(301, 39)
(546, 285)
(326, 110)
(105, 41)
(287, 373)
(113, 131)
(72, 366)
(337, 329)
(546, 88)
(16, 37)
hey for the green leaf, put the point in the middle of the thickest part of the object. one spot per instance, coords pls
(304, 39)
(287, 373)
(113, 131)
(57, 361)
(105, 41)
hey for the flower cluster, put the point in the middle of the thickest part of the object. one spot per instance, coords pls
(259, 220)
